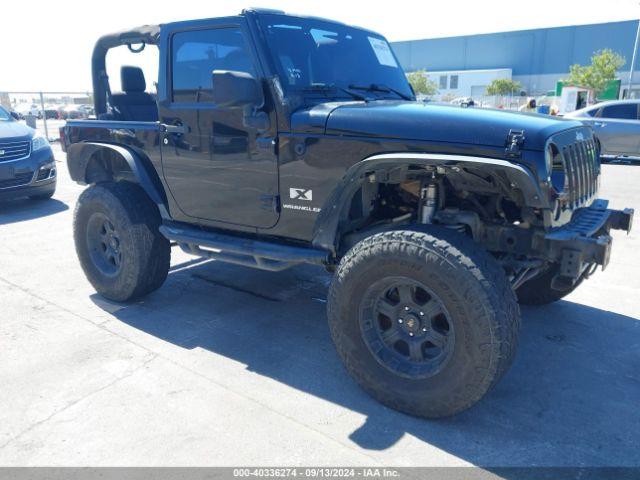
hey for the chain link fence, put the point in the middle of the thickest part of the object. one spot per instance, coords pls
(47, 111)
(544, 104)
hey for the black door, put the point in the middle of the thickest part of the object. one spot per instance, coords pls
(217, 169)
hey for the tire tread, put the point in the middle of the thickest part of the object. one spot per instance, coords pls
(437, 244)
(153, 252)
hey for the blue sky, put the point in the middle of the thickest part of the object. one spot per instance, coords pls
(47, 45)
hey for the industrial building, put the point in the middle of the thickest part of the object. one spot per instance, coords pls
(464, 66)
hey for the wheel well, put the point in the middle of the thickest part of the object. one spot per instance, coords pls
(91, 163)
(107, 165)
(391, 198)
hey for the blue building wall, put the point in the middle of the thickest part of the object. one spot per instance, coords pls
(537, 52)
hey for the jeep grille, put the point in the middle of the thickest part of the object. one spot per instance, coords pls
(582, 171)
(575, 170)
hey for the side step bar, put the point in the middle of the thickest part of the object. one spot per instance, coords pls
(240, 250)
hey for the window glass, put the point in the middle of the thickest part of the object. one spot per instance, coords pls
(453, 82)
(310, 53)
(147, 60)
(195, 54)
(626, 111)
(443, 81)
(4, 115)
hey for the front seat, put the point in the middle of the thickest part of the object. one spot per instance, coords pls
(134, 103)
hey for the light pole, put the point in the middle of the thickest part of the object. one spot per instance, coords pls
(633, 60)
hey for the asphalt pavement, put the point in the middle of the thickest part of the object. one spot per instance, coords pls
(225, 365)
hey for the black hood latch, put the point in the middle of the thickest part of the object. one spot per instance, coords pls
(514, 143)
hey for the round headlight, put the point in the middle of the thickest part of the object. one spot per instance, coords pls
(548, 157)
(555, 167)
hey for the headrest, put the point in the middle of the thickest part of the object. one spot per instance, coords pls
(132, 79)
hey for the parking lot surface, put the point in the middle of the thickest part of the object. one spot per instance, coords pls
(226, 365)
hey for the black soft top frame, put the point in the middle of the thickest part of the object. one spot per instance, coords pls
(147, 34)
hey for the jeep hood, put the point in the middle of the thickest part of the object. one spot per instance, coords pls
(428, 122)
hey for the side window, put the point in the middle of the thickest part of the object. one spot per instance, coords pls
(443, 82)
(453, 82)
(625, 111)
(147, 60)
(195, 54)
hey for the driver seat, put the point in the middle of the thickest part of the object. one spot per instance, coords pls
(134, 103)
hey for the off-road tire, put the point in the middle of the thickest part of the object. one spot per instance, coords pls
(472, 287)
(145, 252)
(538, 291)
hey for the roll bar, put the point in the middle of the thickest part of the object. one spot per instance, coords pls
(147, 34)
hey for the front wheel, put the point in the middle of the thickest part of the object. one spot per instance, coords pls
(426, 322)
(538, 291)
(118, 242)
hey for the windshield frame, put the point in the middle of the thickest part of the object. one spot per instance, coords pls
(334, 89)
(8, 113)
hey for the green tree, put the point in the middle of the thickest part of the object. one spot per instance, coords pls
(421, 83)
(604, 66)
(503, 86)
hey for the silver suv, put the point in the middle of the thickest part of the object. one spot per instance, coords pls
(616, 124)
(27, 166)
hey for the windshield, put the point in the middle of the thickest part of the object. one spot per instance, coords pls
(311, 53)
(4, 115)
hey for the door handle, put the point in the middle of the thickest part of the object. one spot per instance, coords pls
(599, 124)
(177, 129)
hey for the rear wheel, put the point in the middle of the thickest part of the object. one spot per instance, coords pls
(426, 322)
(118, 242)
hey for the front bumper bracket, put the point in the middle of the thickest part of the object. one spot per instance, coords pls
(585, 240)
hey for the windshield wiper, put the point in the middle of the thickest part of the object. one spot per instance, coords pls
(376, 87)
(329, 87)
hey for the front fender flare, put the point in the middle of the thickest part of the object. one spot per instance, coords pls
(326, 226)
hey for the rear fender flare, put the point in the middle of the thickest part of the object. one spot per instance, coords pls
(80, 155)
(326, 227)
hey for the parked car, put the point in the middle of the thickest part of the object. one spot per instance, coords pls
(51, 113)
(25, 110)
(86, 110)
(70, 111)
(305, 144)
(463, 102)
(616, 124)
(27, 165)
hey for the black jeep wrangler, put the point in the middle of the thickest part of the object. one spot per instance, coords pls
(275, 140)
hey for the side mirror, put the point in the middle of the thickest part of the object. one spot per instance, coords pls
(236, 90)
(15, 115)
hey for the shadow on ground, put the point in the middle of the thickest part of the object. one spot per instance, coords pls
(26, 209)
(570, 399)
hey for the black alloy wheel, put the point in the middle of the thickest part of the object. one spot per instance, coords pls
(406, 327)
(103, 242)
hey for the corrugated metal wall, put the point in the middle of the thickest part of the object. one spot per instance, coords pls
(527, 52)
